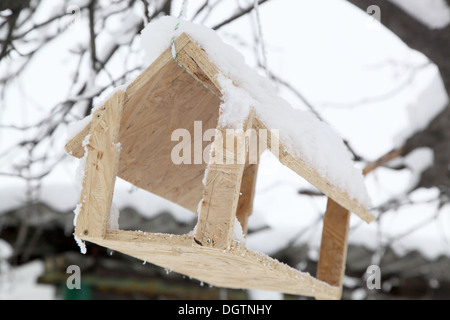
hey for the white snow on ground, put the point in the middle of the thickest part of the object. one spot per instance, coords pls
(21, 284)
(435, 14)
(6, 250)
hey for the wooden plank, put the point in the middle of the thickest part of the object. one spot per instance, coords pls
(218, 209)
(162, 99)
(171, 100)
(197, 64)
(236, 268)
(333, 250)
(100, 170)
(222, 188)
(247, 195)
(75, 146)
(299, 166)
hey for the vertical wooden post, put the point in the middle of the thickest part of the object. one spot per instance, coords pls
(218, 212)
(100, 169)
(245, 204)
(222, 189)
(333, 250)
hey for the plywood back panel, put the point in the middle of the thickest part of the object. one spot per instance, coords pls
(172, 99)
(166, 97)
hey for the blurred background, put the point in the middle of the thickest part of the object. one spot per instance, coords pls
(377, 71)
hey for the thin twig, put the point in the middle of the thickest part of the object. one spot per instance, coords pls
(237, 15)
(146, 10)
(92, 34)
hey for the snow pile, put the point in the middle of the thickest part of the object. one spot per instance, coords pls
(424, 108)
(435, 14)
(243, 89)
(6, 250)
(238, 233)
(76, 127)
(22, 283)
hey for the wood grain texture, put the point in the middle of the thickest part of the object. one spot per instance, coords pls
(237, 268)
(333, 249)
(100, 169)
(218, 208)
(336, 226)
(74, 147)
(222, 188)
(299, 166)
(247, 195)
(197, 64)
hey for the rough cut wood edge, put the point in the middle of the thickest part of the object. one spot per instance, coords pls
(100, 169)
(247, 196)
(334, 246)
(198, 65)
(74, 146)
(236, 268)
(191, 56)
(222, 189)
(299, 166)
(333, 249)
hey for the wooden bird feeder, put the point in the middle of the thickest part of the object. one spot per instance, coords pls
(166, 97)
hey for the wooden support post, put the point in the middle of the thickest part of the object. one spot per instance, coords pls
(218, 211)
(100, 169)
(245, 204)
(222, 188)
(333, 250)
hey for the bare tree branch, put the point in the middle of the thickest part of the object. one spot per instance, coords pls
(237, 15)
(92, 34)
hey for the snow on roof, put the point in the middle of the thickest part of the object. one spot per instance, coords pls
(243, 88)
